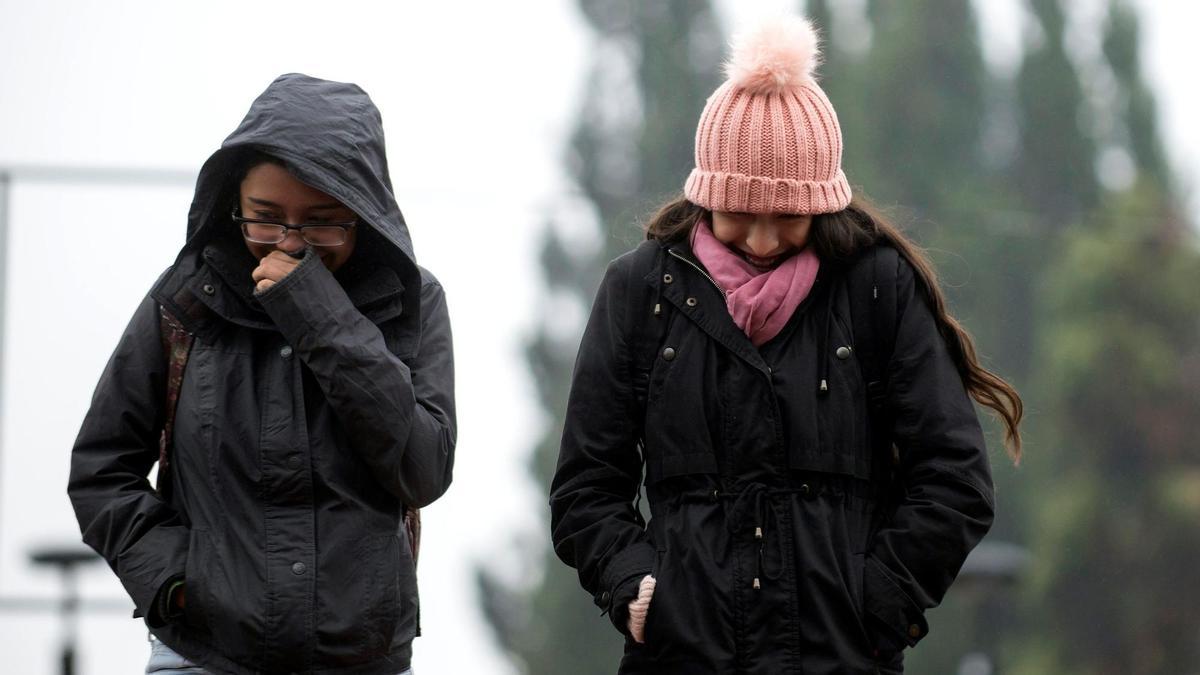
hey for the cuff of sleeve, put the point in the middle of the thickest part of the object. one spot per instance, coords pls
(625, 593)
(622, 575)
(163, 610)
(897, 620)
(308, 302)
(157, 559)
(303, 269)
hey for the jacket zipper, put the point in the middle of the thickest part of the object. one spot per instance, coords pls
(700, 270)
(720, 290)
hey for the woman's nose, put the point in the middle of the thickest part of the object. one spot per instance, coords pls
(292, 243)
(762, 239)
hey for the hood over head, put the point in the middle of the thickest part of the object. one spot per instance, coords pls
(330, 136)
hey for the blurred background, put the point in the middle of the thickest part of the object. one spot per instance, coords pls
(1046, 152)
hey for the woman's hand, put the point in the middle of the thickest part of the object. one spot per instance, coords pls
(272, 268)
(639, 608)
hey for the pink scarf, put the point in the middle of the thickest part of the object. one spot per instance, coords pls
(760, 302)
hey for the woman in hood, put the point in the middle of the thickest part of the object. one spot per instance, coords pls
(778, 363)
(292, 373)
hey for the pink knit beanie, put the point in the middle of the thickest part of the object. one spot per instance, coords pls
(769, 140)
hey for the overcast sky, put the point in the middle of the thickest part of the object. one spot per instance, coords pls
(476, 99)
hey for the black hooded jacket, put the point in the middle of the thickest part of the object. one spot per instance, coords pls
(309, 414)
(782, 536)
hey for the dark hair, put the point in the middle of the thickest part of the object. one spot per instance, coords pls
(244, 161)
(838, 237)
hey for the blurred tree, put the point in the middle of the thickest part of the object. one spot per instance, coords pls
(923, 84)
(1055, 166)
(1141, 113)
(1116, 542)
(1050, 183)
(653, 67)
(1119, 499)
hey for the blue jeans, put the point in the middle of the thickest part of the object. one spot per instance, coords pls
(165, 661)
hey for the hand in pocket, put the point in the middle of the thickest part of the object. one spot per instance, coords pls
(639, 608)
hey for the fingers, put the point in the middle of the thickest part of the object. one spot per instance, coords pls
(639, 608)
(272, 268)
(285, 257)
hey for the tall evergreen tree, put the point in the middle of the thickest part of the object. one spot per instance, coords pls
(1135, 99)
(1118, 502)
(1116, 539)
(923, 93)
(1055, 168)
(653, 67)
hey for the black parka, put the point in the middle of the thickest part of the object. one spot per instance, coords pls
(756, 475)
(308, 415)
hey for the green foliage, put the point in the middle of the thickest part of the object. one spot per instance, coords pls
(1116, 535)
(1055, 171)
(1135, 99)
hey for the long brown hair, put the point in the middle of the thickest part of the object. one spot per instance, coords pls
(838, 237)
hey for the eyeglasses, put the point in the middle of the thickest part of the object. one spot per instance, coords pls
(274, 232)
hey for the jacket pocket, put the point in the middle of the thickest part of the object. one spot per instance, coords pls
(383, 601)
(691, 609)
(360, 601)
(225, 612)
(857, 570)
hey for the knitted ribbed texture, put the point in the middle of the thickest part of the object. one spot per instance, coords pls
(769, 150)
(639, 608)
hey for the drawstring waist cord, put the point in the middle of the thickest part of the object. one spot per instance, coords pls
(753, 508)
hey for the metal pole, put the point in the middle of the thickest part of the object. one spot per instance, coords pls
(5, 183)
(70, 618)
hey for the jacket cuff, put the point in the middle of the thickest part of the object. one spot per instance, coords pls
(165, 610)
(149, 566)
(307, 303)
(282, 287)
(897, 620)
(625, 593)
(621, 576)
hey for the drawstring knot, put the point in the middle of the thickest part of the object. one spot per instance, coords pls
(755, 507)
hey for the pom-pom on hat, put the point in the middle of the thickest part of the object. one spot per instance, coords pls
(769, 140)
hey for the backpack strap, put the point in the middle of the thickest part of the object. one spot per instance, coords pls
(412, 525)
(176, 346)
(871, 283)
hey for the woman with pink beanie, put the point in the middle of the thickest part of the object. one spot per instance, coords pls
(777, 366)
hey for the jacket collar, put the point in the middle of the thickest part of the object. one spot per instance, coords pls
(681, 279)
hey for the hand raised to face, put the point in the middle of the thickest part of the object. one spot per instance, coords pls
(272, 268)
